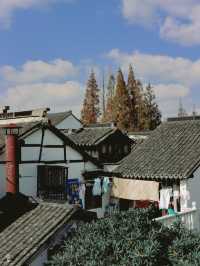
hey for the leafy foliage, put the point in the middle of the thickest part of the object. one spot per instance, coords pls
(134, 88)
(130, 238)
(121, 104)
(90, 110)
(152, 113)
(128, 105)
(109, 113)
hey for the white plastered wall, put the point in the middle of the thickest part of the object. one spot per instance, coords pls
(28, 172)
(69, 123)
(194, 188)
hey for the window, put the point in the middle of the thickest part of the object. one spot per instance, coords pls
(126, 149)
(104, 149)
(92, 202)
(52, 182)
(110, 148)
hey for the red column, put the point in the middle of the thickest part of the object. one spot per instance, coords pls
(11, 165)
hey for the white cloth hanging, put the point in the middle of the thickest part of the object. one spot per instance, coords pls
(82, 190)
(96, 190)
(165, 195)
(176, 194)
(185, 195)
(106, 184)
(135, 189)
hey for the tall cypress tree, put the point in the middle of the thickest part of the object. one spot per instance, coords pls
(90, 111)
(121, 103)
(135, 91)
(152, 112)
(109, 116)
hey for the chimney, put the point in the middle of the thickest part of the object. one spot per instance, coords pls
(4, 110)
(12, 173)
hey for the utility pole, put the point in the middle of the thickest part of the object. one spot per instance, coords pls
(194, 111)
(181, 110)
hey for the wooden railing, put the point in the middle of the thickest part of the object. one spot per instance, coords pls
(190, 219)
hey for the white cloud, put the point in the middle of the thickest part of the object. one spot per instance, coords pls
(171, 78)
(160, 68)
(42, 84)
(8, 7)
(140, 11)
(36, 71)
(170, 91)
(179, 20)
(57, 96)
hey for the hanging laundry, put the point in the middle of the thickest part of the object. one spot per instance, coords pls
(165, 195)
(106, 185)
(185, 195)
(96, 190)
(82, 191)
(176, 194)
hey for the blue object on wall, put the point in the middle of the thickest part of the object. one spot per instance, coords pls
(73, 190)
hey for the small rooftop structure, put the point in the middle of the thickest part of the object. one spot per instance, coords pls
(90, 136)
(184, 118)
(139, 136)
(28, 116)
(110, 125)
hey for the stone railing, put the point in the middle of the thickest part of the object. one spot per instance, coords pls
(190, 218)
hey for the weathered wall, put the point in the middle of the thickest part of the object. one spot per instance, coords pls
(28, 171)
(69, 123)
(194, 188)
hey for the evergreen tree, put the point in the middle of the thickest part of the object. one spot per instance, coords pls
(91, 110)
(135, 92)
(152, 112)
(121, 103)
(108, 115)
(141, 108)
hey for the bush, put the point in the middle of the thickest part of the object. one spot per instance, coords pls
(130, 238)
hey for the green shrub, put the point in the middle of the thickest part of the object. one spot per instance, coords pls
(130, 238)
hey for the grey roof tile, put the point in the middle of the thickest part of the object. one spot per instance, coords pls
(90, 136)
(171, 151)
(27, 234)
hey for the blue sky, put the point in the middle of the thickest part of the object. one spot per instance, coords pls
(47, 48)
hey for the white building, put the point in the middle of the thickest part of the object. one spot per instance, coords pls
(45, 145)
(170, 156)
(65, 120)
(48, 157)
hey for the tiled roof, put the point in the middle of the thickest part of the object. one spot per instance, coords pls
(56, 118)
(90, 136)
(183, 118)
(68, 141)
(171, 151)
(23, 238)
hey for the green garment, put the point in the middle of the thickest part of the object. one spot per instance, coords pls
(171, 211)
